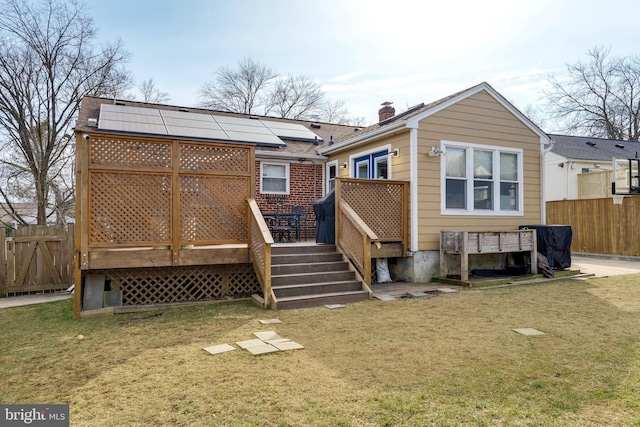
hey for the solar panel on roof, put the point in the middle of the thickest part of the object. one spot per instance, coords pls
(249, 129)
(238, 121)
(186, 115)
(123, 118)
(130, 110)
(172, 121)
(255, 137)
(290, 130)
(218, 134)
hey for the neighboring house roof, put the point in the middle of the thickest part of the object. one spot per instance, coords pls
(28, 211)
(91, 109)
(594, 149)
(411, 117)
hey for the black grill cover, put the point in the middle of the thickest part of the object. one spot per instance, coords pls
(554, 242)
(325, 211)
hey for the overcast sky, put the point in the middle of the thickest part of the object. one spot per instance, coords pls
(367, 52)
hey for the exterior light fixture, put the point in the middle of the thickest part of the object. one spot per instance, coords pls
(436, 151)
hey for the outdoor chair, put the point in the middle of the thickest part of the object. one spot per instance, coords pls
(284, 224)
(301, 216)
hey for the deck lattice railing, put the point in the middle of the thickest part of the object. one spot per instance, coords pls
(370, 211)
(260, 251)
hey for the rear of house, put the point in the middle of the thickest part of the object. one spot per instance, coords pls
(473, 162)
(170, 201)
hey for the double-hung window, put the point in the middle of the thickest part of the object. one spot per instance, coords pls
(481, 180)
(274, 178)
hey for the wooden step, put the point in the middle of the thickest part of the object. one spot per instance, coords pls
(304, 278)
(317, 288)
(315, 300)
(295, 258)
(303, 249)
(316, 267)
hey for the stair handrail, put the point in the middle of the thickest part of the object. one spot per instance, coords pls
(354, 238)
(260, 242)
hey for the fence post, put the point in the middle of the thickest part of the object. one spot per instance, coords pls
(3, 262)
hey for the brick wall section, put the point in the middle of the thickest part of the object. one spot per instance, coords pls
(301, 189)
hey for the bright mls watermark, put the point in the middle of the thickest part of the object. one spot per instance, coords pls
(34, 415)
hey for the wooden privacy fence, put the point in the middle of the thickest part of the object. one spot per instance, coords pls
(36, 258)
(600, 226)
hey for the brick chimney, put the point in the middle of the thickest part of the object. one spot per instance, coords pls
(386, 112)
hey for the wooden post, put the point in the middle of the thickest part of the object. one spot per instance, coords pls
(464, 256)
(534, 252)
(175, 203)
(366, 262)
(444, 269)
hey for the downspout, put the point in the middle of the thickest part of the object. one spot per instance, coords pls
(413, 188)
(543, 203)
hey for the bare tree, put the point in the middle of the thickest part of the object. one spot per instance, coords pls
(294, 97)
(600, 97)
(335, 111)
(47, 64)
(253, 88)
(240, 90)
(150, 93)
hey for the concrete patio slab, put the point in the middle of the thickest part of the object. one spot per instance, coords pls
(528, 331)
(267, 335)
(288, 345)
(21, 300)
(417, 294)
(273, 342)
(262, 349)
(218, 349)
(270, 321)
(249, 343)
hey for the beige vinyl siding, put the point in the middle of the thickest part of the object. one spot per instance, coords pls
(479, 119)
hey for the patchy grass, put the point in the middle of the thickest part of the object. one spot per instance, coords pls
(448, 360)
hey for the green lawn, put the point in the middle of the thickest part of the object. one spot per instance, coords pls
(448, 360)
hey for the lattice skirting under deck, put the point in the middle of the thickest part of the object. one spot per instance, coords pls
(145, 286)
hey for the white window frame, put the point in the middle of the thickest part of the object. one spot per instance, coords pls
(353, 170)
(287, 168)
(328, 181)
(470, 147)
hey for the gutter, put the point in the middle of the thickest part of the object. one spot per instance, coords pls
(365, 137)
(289, 156)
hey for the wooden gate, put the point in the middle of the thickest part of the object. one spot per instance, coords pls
(36, 258)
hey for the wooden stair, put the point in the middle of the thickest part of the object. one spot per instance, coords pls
(313, 275)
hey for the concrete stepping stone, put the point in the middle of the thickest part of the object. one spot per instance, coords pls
(385, 297)
(288, 345)
(221, 348)
(262, 349)
(267, 335)
(250, 343)
(334, 306)
(270, 321)
(417, 294)
(528, 331)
